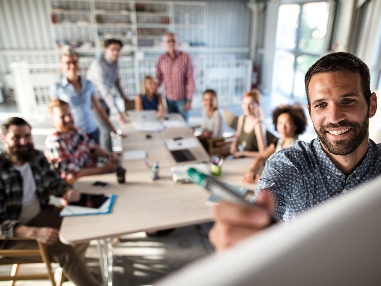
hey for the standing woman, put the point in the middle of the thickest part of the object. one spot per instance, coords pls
(149, 99)
(79, 93)
(250, 136)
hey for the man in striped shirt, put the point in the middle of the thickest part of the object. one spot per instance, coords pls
(175, 70)
(104, 74)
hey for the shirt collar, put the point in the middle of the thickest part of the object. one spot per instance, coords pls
(177, 52)
(65, 82)
(327, 165)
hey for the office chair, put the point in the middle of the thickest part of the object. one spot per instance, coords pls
(16, 257)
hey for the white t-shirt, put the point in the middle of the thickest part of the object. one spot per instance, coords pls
(30, 204)
(213, 124)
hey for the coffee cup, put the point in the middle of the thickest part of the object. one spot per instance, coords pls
(121, 174)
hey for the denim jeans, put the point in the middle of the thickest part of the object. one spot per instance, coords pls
(177, 106)
(95, 135)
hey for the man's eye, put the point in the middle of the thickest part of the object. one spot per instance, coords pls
(348, 101)
(320, 105)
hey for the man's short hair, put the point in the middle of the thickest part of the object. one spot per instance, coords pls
(109, 42)
(18, 121)
(341, 62)
(57, 103)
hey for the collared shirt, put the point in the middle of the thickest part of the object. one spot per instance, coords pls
(303, 176)
(177, 76)
(80, 104)
(105, 76)
(11, 189)
(69, 152)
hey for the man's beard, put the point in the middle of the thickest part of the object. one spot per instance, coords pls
(21, 154)
(348, 145)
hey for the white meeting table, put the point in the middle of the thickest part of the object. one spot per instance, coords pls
(154, 144)
(142, 204)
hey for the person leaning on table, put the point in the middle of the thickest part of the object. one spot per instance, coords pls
(104, 74)
(70, 151)
(340, 104)
(26, 181)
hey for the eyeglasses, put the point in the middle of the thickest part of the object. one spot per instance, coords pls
(171, 41)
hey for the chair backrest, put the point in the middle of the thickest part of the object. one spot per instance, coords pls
(231, 119)
(16, 257)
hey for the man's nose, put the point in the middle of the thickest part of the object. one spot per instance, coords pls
(336, 113)
(24, 141)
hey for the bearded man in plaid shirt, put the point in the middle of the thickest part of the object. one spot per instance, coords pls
(175, 70)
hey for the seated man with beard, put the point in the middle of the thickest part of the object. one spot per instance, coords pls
(71, 152)
(26, 181)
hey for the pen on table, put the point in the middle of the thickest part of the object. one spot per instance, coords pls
(223, 191)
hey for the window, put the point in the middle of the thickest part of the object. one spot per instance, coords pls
(300, 41)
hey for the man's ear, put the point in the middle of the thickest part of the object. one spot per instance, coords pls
(3, 138)
(308, 109)
(372, 104)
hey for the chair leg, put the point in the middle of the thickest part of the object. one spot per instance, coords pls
(46, 259)
(15, 270)
(59, 276)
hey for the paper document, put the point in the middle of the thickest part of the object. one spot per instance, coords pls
(148, 126)
(179, 173)
(174, 123)
(134, 155)
(76, 210)
(181, 143)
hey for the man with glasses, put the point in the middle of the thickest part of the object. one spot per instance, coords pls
(175, 70)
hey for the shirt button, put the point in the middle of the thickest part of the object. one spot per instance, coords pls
(358, 178)
(328, 177)
(344, 191)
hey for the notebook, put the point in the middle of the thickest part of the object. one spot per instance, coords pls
(90, 204)
(143, 115)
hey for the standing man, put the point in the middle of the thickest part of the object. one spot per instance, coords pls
(26, 181)
(175, 70)
(298, 178)
(104, 73)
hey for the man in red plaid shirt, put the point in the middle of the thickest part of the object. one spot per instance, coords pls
(175, 70)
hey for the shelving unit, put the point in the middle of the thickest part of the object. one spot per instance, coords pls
(140, 25)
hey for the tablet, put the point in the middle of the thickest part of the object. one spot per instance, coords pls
(94, 201)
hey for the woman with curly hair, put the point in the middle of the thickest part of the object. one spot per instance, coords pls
(290, 121)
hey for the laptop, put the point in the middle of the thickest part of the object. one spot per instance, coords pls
(142, 115)
(183, 155)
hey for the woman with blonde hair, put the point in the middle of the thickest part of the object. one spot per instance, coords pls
(149, 99)
(250, 138)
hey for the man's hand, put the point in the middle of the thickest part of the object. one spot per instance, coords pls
(251, 177)
(110, 165)
(70, 196)
(46, 235)
(234, 223)
(122, 118)
(188, 105)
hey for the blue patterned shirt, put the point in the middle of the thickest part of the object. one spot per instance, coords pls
(303, 176)
(80, 104)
